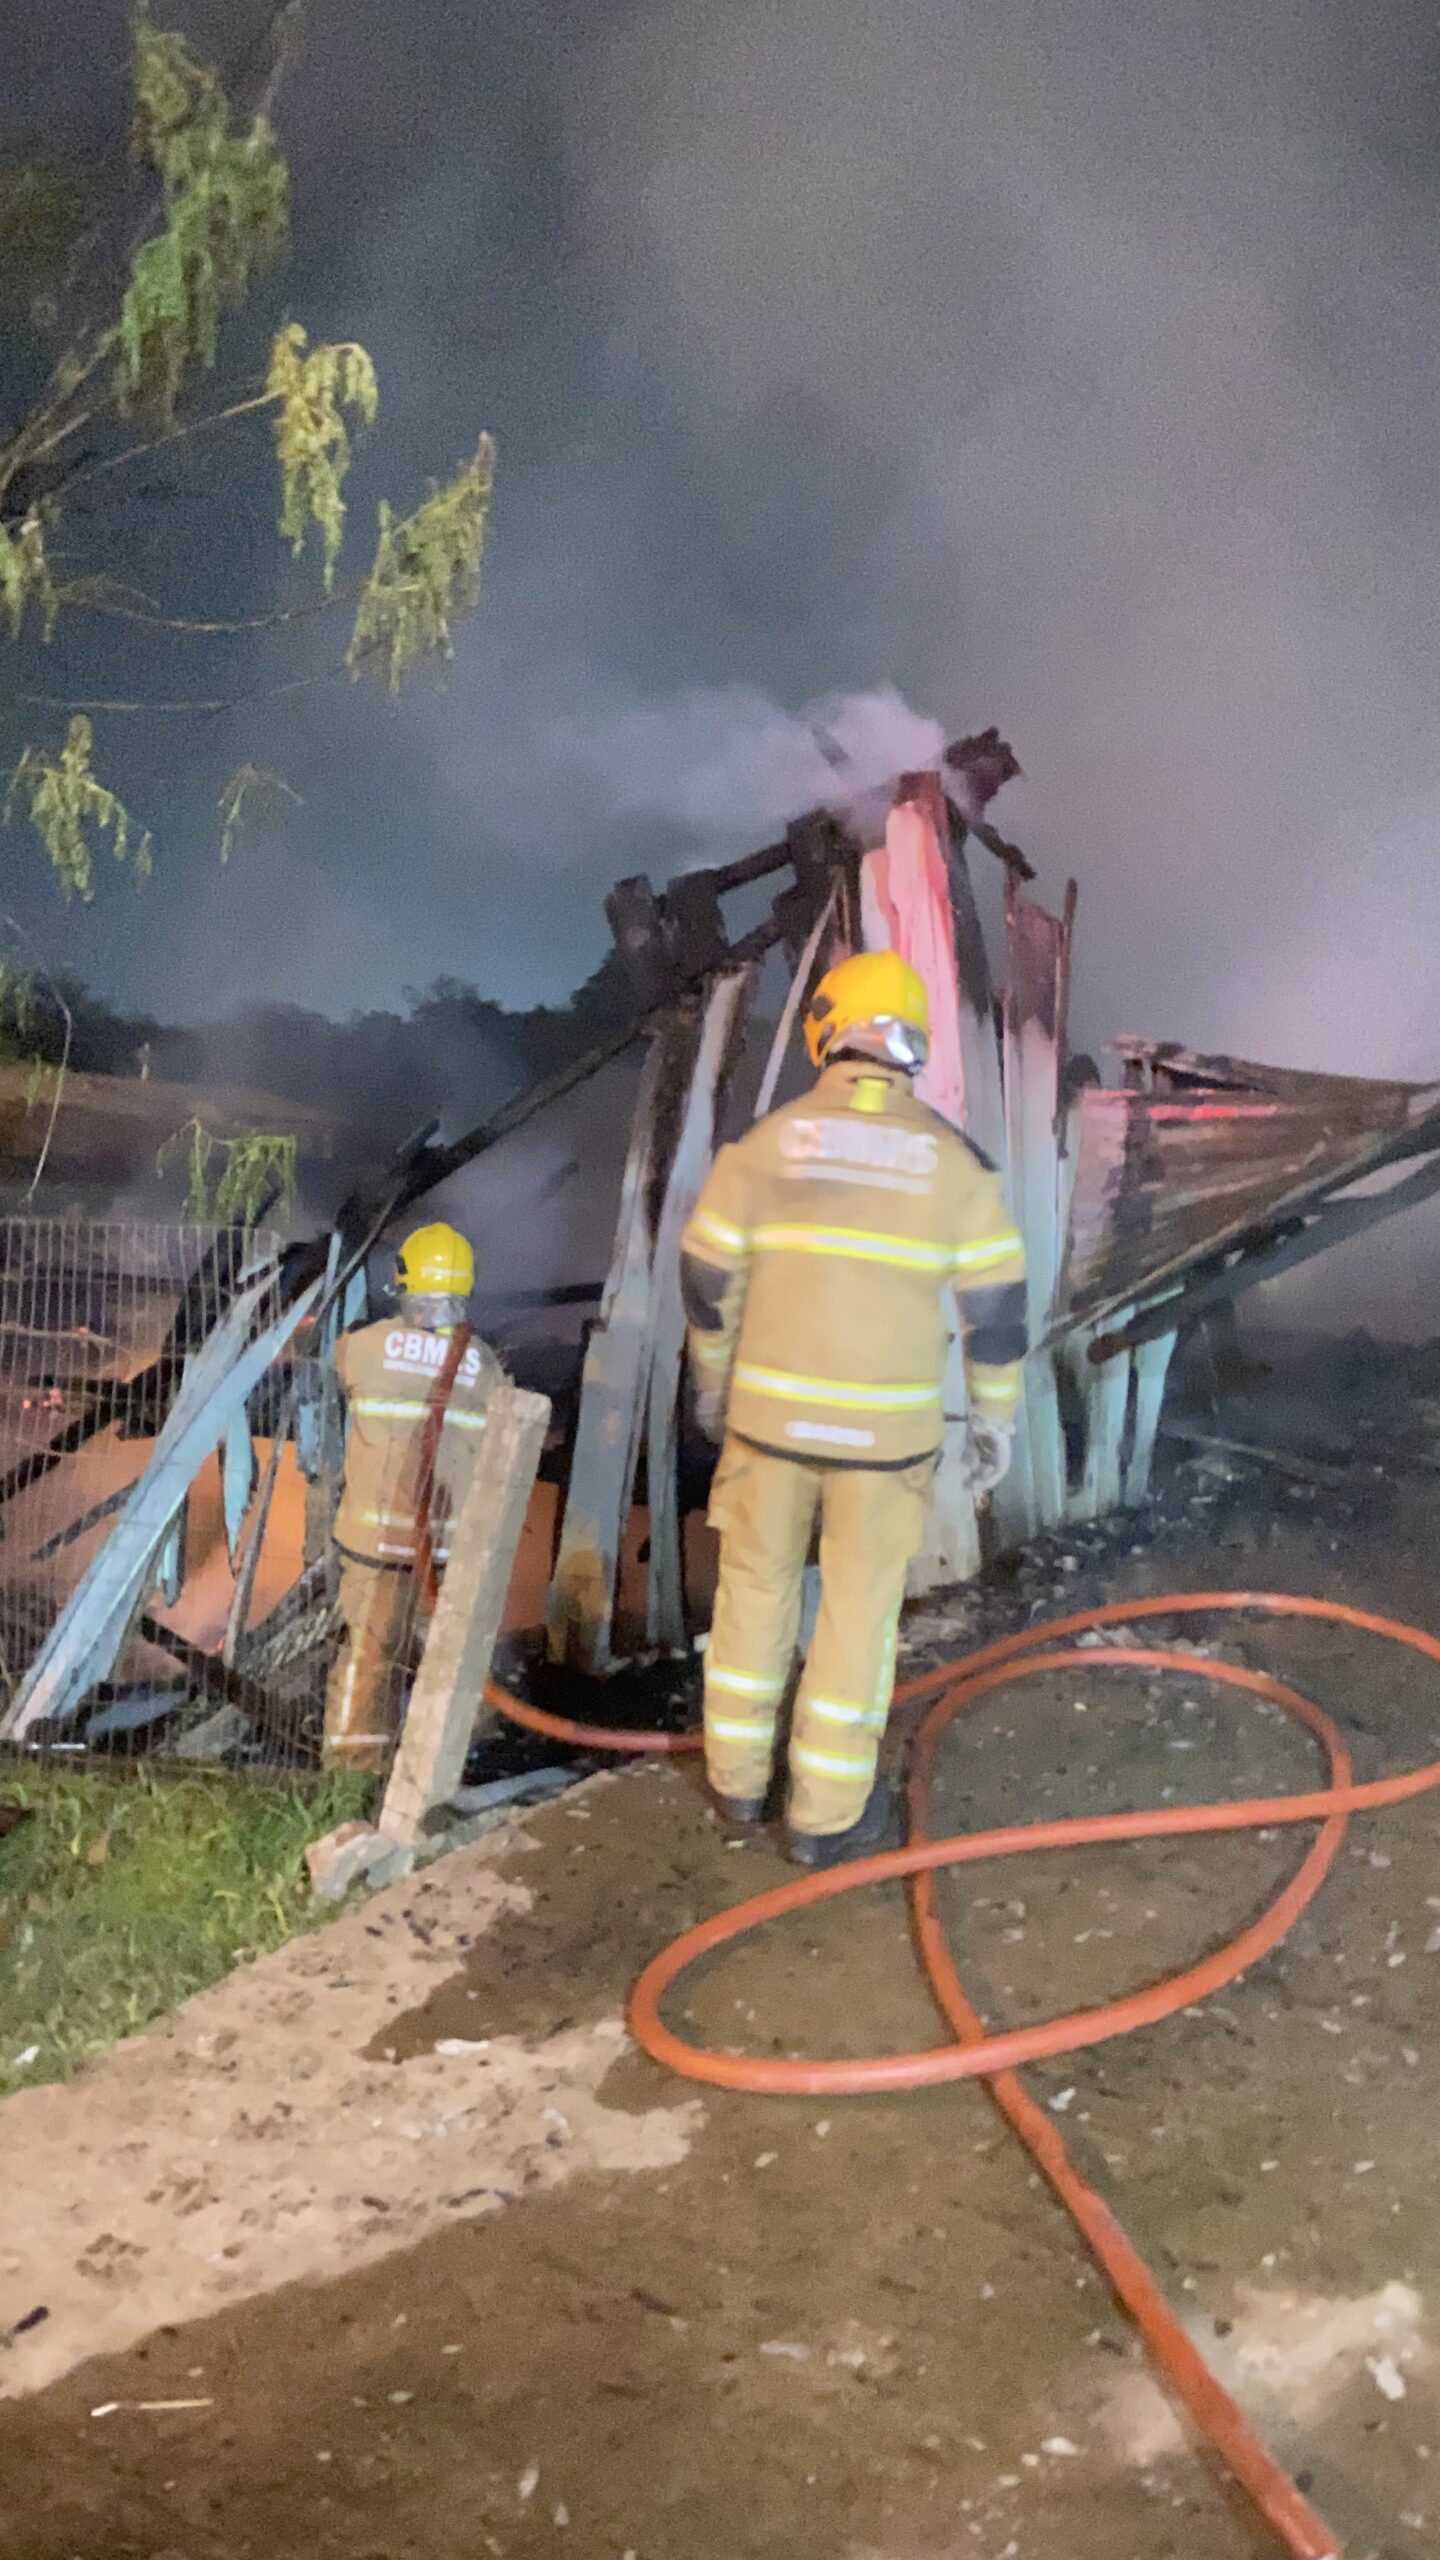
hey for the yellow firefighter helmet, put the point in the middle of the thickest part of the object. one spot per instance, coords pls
(875, 1002)
(436, 1262)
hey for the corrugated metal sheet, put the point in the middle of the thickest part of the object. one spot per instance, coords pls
(1218, 1150)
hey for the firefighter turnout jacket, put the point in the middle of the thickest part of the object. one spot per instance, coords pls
(390, 1372)
(818, 1266)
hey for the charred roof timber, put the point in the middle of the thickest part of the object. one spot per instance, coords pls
(671, 940)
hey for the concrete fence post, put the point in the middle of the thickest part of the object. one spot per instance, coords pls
(449, 1693)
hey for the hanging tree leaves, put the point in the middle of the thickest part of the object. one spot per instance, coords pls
(314, 386)
(227, 216)
(426, 573)
(230, 1181)
(255, 794)
(64, 801)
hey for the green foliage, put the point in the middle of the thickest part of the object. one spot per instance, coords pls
(26, 585)
(314, 386)
(426, 571)
(228, 1181)
(253, 795)
(124, 1894)
(226, 200)
(63, 801)
(222, 218)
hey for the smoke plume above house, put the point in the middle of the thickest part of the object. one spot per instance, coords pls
(1046, 364)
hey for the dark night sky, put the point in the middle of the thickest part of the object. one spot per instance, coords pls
(1056, 362)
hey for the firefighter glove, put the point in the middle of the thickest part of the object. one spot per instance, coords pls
(987, 1454)
(710, 1410)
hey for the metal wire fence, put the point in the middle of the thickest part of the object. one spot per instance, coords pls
(227, 1653)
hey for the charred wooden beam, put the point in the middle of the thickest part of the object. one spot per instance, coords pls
(1290, 1462)
(721, 1025)
(609, 1431)
(697, 924)
(1010, 854)
(637, 921)
(752, 866)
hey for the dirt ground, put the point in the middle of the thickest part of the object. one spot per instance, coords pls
(465, 2275)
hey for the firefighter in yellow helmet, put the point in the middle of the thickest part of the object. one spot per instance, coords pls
(391, 1373)
(818, 1268)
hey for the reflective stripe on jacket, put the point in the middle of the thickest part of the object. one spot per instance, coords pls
(819, 1262)
(390, 1374)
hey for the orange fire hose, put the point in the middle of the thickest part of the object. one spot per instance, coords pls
(585, 1737)
(974, 2052)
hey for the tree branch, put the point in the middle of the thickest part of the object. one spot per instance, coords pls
(205, 709)
(47, 428)
(76, 600)
(177, 434)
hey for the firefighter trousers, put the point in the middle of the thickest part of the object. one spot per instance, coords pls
(366, 1690)
(872, 1520)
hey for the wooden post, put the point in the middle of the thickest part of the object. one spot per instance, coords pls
(1103, 1388)
(979, 1049)
(1033, 1494)
(581, 1611)
(798, 991)
(1152, 1363)
(449, 1693)
(665, 1589)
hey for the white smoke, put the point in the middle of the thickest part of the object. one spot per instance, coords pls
(721, 763)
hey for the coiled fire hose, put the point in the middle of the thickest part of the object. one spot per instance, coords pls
(973, 2052)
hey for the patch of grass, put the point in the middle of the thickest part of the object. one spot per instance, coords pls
(123, 1893)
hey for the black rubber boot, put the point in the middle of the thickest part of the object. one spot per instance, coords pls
(834, 1848)
(739, 1815)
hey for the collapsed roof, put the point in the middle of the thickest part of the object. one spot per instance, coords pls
(1198, 1177)
(1206, 1174)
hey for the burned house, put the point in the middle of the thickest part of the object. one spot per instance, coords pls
(1147, 1205)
